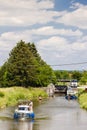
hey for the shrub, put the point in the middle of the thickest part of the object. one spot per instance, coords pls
(2, 94)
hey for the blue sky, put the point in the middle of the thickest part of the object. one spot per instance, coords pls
(57, 27)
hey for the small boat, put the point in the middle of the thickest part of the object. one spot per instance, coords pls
(23, 112)
(71, 97)
(71, 94)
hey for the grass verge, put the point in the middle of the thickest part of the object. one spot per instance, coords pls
(10, 96)
(82, 99)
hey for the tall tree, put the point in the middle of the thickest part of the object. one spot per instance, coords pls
(21, 66)
(25, 67)
(3, 75)
(44, 72)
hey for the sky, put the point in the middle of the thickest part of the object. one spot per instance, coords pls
(57, 27)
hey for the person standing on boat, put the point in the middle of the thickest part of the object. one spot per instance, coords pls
(31, 106)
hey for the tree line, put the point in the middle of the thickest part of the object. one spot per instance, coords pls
(80, 76)
(25, 67)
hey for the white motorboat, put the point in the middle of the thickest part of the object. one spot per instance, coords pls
(23, 112)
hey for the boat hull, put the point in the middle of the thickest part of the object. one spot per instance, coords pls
(70, 97)
(24, 115)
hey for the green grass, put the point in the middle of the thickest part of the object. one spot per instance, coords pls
(11, 96)
(82, 98)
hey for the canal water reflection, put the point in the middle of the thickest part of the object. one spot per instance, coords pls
(55, 113)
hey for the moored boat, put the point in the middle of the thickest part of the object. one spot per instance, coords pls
(71, 97)
(71, 94)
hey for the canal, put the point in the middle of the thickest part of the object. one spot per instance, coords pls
(53, 114)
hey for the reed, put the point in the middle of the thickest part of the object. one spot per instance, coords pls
(82, 99)
(11, 96)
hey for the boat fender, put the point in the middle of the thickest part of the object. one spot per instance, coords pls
(32, 115)
(15, 115)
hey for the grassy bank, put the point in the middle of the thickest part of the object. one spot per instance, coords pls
(10, 96)
(82, 99)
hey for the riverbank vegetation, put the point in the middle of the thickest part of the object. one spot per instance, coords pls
(82, 98)
(11, 96)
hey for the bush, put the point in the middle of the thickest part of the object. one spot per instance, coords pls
(82, 100)
(2, 94)
(12, 95)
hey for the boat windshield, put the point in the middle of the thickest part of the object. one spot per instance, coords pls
(23, 108)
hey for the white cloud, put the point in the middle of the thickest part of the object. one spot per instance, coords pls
(59, 49)
(27, 4)
(16, 36)
(76, 5)
(53, 49)
(61, 44)
(50, 30)
(55, 42)
(78, 46)
(77, 18)
(32, 34)
(27, 12)
(6, 46)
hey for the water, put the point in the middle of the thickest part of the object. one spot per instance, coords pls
(55, 113)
